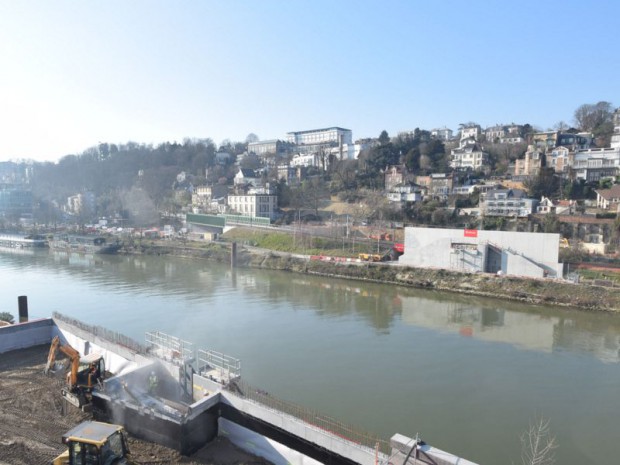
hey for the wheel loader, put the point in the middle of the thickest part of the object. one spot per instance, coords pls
(95, 443)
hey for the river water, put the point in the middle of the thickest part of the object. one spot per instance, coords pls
(467, 374)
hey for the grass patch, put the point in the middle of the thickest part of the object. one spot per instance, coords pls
(596, 274)
(288, 242)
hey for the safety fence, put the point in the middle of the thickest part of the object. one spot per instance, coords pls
(229, 367)
(311, 417)
(103, 333)
(170, 348)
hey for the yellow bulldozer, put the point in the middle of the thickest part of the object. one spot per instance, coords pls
(95, 443)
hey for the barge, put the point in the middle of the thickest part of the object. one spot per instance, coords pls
(84, 244)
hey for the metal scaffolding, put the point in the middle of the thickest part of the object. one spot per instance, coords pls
(222, 366)
(170, 348)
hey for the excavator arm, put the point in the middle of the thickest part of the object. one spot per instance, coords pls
(51, 358)
(74, 356)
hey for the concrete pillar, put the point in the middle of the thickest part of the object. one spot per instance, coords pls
(22, 303)
(233, 255)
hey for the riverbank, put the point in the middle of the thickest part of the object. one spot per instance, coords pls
(531, 291)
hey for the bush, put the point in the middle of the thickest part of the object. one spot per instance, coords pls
(6, 316)
(606, 215)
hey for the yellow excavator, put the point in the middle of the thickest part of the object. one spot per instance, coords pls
(83, 375)
(95, 443)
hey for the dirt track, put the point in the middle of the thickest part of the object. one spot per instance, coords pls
(32, 420)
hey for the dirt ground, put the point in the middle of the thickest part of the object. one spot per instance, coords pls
(32, 421)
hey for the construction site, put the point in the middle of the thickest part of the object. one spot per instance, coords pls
(76, 394)
(34, 416)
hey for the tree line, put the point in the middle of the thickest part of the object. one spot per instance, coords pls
(127, 178)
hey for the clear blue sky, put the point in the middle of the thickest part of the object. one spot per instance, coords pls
(75, 73)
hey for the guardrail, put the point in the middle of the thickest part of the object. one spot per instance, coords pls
(227, 365)
(313, 418)
(103, 333)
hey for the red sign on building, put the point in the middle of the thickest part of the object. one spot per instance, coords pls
(471, 233)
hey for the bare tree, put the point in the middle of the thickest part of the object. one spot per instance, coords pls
(314, 193)
(589, 116)
(251, 137)
(538, 444)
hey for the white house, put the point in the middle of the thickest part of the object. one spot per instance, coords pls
(469, 156)
(470, 131)
(405, 193)
(259, 202)
(442, 133)
(247, 176)
(310, 159)
(607, 198)
(508, 203)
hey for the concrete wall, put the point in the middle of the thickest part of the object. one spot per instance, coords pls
(186, 436)
(117, 358)
(22, 335)
(403, 448)
(259, 445)
(185, 432)
(435, 248)
(307, 439)
(514, 264)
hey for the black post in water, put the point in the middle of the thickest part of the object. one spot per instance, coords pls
(233, 255)
(22, 303)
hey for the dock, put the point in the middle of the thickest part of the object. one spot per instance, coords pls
(17, 241)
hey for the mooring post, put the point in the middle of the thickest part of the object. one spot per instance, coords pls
(22, 304)
(233, 255)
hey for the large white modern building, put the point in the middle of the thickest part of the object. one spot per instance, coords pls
(509, 253)
(333, 135)
(264, 147)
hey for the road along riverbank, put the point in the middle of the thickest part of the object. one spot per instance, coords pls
(532, 291)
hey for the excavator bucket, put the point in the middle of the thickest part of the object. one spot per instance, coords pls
(51, 358)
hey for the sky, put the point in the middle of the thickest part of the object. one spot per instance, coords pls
(75, 73)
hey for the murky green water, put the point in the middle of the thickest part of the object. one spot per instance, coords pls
(467, 374)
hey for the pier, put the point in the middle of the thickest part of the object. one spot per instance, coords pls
(18, 242)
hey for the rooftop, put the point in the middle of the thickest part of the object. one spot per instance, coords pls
(610, 194)
(318, 130)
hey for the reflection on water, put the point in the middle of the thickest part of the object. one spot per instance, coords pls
(417, 361)
(523, 326)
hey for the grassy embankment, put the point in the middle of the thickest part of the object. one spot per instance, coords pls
(533, 291)
(304, 244)
(603, 275)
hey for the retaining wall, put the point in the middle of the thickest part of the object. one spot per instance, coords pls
(23, 335)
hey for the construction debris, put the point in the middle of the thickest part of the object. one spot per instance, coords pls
(34, 416)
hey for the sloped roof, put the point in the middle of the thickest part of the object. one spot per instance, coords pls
(247, 173)
(510, 193)
(609, 194)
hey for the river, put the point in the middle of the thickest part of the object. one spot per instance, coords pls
(467, 374)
